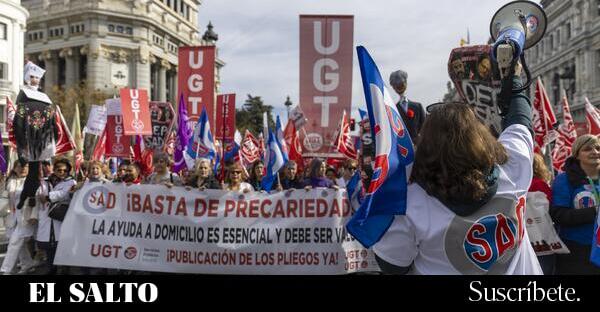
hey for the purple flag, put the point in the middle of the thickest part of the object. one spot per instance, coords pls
(184, 133)
(3, 162)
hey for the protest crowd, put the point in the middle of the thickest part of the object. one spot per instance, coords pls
(540, 205)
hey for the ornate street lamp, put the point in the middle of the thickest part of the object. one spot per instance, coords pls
(288, 104)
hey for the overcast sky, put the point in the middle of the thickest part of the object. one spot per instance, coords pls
(258, 39)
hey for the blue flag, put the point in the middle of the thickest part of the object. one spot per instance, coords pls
(386, 196)
(355, 190)
(362, 113)
(595, 256)
(201, 143)
(275, 159)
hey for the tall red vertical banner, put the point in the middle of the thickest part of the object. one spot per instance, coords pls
(225, 126)
(326, 50)
(196, 80)
(117, 143)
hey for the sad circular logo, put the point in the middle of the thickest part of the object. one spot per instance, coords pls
(486, 241)
(584, 199)
(98, 199)
(130, 252)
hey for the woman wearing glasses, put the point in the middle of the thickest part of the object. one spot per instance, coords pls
(466, 199)
(350, 167)
(235, 179)
(57, 188)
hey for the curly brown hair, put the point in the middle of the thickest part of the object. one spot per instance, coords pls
(455, 153)
(539, 168)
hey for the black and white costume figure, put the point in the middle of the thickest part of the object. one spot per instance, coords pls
(35, 129)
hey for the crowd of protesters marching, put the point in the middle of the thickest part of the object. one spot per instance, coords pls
(34, 235)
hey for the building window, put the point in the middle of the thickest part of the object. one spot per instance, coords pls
(598, 7)
(120, 29)
(568, 30)
(3, 71)
(3, 34)
(172, 47)
(56, 32)
(157, 40)
(77, 28)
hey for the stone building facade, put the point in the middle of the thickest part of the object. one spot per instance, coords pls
(113, 43)
(13, 18)
(568, 57)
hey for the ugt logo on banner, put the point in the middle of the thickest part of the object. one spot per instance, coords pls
(196, 80)
(136, 112)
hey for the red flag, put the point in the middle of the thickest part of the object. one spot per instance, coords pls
(143, 156)
(543, 115)
(169, 146)
(293, 142)
(592, 114)
(65, 141)
(100, 148)
(344, 143)
(250, 148)
(78, 161)
(566, 137)
(10, 110)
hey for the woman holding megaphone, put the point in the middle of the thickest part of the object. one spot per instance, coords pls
(466, 199)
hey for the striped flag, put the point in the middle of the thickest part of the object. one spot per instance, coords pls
(566, 137)
(543, 116)
(592, 115)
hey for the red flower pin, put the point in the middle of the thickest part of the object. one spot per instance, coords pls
(410, 113)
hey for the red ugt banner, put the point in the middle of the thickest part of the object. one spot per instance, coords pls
(225, 126)
(117, 143)
(136, 112)
(326, 49)
(196, 80)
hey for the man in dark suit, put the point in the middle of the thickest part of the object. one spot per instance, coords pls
(412, 113)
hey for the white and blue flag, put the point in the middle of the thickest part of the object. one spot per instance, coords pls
(280, 138)
(274, 159)
(201, 144)
(356, 191)
(386, 195)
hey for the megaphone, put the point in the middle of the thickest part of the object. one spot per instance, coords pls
(517, 26)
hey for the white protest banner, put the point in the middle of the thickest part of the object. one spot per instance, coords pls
(542, 235)
(96, 120)
(155, 228)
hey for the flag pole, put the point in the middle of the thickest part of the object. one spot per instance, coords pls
(547, 153)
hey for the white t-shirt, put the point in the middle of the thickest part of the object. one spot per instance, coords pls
(492, 240)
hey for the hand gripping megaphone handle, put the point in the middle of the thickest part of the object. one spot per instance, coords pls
(507, 85)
